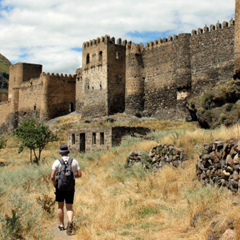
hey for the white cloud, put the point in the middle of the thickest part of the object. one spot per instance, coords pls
(46, 31)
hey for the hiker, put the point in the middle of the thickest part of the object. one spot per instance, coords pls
(66, 196)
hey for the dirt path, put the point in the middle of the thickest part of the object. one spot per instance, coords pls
(55, 232)
(62, 235)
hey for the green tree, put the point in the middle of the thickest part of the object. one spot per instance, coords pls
(35, 136)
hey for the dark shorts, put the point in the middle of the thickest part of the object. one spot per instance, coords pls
(67, 196)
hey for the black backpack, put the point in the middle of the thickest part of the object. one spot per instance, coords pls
(65, 180)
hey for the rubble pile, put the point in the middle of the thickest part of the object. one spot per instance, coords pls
(158, 157)
(220, 164)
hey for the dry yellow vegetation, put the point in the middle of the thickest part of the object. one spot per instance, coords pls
(116, 203)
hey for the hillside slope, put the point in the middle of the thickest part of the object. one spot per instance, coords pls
(4, 71)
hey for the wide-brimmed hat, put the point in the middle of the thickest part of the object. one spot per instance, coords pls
(64, 149)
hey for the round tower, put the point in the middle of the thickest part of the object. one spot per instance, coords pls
(134, 96)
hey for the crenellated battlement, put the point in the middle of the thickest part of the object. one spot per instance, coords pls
(159, 43)
(104, 39)
(59, 75)
(212, 28)
(134, 48)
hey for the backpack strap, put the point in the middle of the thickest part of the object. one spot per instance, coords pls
(70, 160)
(61, 161)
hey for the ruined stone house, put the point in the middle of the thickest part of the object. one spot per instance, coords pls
(102, 138)
(120, 76)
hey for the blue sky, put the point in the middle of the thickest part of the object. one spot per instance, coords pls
(51, 32)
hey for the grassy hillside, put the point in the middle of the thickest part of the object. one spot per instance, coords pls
(113, 202)
(4, 64)
(4, 73)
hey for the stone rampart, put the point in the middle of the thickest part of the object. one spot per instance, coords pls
(237, 34)
(212, 55)
(58, 97)
(164, 73)
(118, 75)
(5, 112)
(30, 95)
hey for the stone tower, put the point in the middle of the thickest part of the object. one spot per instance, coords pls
(101, 82)
(237, 34)
(135, 79)
(20, 73)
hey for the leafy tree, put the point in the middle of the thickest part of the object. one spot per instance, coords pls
(35, 136)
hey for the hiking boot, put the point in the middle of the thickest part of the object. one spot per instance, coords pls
(70, 228)
(61, 228)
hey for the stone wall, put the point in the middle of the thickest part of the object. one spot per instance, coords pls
(161, 76)
(30, 96)
(118, 133)
(5, 108)
(36, 94)
(212, 55)
(155, 80)
(58, 97)
(159, 89)
(237, 34)
(85, 140)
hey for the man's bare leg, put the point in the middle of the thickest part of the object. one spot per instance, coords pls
(70, 214)
(70, 227)
(60, 213)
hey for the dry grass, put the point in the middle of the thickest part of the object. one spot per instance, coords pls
(113, 202)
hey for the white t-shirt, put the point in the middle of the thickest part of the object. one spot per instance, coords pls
(57, 165)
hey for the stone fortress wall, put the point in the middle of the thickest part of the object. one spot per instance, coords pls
(237, 34)
(33, 93)
(156, 79)
(120, 76)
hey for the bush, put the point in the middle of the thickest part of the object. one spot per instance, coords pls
(3, 143)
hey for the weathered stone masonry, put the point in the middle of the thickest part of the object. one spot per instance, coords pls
(237, 34)
(154, 80)
(120, 76)
(33, 93)
(102, 138)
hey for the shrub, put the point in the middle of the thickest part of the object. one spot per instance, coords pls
(11, 226)
(3, 143)
(47, 203)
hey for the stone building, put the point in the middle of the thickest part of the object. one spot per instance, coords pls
(103, 138)
(156, 79)
(33, 93)
(120, 76)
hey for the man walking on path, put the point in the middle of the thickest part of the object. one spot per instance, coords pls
(63, 195)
